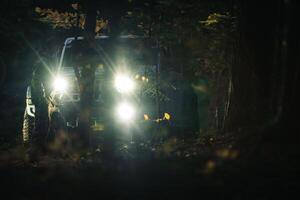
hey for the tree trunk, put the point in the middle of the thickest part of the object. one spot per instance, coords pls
(251, 69)
(86, 79)
(264, 76)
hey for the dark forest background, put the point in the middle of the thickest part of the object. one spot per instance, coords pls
(242, 55)
(240, 59)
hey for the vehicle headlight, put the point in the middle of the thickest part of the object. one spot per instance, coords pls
(125, 112)
(124, 84)
(60, 84)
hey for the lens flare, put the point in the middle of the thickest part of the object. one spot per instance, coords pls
(125, 112)
(124, 84)
(60, 84)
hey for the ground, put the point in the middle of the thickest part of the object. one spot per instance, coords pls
(212, 166)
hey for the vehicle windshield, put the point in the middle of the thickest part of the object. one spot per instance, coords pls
(110, 55)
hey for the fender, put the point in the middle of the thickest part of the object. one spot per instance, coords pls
(30, 109)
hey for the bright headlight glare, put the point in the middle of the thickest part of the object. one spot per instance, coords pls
(60, 84)
(124, 83)
(125, 112)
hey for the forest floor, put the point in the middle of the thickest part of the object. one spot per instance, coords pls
(213, 166)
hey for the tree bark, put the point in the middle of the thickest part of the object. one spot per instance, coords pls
(264, 71)
(86, 78)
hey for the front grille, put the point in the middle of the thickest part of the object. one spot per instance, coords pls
(71, 97)
(73, 93)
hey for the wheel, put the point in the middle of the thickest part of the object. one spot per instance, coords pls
(56, 123)
(28, 128)
(58, 141)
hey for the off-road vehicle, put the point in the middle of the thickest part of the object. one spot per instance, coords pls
(126, 70)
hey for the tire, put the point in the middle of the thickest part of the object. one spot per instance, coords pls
(28, 128)
(58, 140)
(56, 123)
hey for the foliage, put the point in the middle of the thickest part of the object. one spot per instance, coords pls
(154, 92)
(67, 20)
(215, 18)
(196, 38)
(20, 48)
(204, 31)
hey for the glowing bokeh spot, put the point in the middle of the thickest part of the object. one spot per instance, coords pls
(124, 83)
(60, 84)
(125, 112)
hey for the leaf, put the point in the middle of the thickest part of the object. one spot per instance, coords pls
(38, 10)
(167, 116)
(74, 6)
(146, 117)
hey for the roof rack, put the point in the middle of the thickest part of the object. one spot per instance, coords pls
(71, 39)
